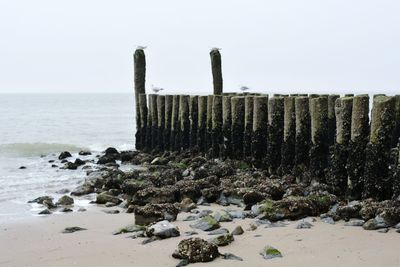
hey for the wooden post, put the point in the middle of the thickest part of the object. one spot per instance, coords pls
(139, 61)
(194, 121)
(237, 105)
(216, 71)
(275, 133)
(331, 118)
(185, 121)
(143, 122)
(175, 124)
(210, 101)
(226, 126)
(217, 140)
(248, 125)
(168, 121)
(160, 121)
(154, 120)
(260, 130)
(202, 127)
(289, 135)
(303, 138)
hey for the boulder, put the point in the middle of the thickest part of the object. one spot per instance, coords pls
(40, 200)
(49, 204)
(151, 213)
(187, 205)
(155, 195)
(354, 222)
(196, 250)
(65, 201)
(83, 189)
(238, 230)
(79, 162)
(375, 223)
(207, 223)
(163, 229)
(84, 153)
(70, 166)
(270, 252)
(111, 151)
(131, 186)
(45, 212)
(219, 231)
(105, 197)
(105, 160)
(304, 225)
(64, 155)
(222, 216)
(222, 240)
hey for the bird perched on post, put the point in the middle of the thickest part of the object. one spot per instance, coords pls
(139, 47)
(156, 89)
(244, 88)
(215, 48)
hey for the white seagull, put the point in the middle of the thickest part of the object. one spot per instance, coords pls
(139, 47)
(215, 48)
(156, 89)
(244, 88)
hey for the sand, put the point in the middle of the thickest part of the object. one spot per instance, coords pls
(38, 241)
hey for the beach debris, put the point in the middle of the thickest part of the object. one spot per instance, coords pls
(105, 197)
(230, 256)
(207, 223)
(73, 229)
(65, 201)
(304, 225)
(354, 222)
(151, 213)
(196, 250)
(64, 155)
(40, 200)
(222, 240)
(130, 228)
(238, 230)
(219, 231)
(163, 229)
(270, 252)
(45, 212)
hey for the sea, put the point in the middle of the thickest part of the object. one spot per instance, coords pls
(35, 128)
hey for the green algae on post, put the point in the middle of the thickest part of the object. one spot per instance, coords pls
(237, 105)
(260, 126)
(202, 123)
(289, 135)
(275, 133)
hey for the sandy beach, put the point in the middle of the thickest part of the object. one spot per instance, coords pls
(38, 241)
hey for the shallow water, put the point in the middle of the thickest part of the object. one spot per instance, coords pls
(35, 128)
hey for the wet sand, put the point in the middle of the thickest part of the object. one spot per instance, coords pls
(38, 241)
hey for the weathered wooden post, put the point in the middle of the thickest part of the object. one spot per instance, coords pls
(319, 137)
(139, 65)
(337, 177)
(275, 133)
(216, 71)
(210, 101)
(396, 132)
(396, 177)
(168, 121)
(260, 129)
(175, 124)
(217, 140)
(358, 142)
(194, 121)
(185, 121)
(142, 103)
(161, 121)
(331, 118)
(289, 135)
(202, 127)
(154, 120)
(237, 105)
(226, 126)
(248, 125)
(378, 149)
(303, 138)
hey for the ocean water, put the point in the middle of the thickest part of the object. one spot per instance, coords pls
(35, 128)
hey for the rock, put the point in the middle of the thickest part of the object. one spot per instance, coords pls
(150, 239)
(270, 252)
(155, 195)
(70, 166)
(64, 155)
(111, 151)
(328, 220)
(222, 240)
(375, 223)
(190, 233)
(219, 231)
(230, 256)
(73, 229)
(40, 200)
(238, 230)
(22, 168)
(196, 250)
(304, 225)
(105, 160)
(65, 201)
(110, 204)
(204, 213)
(79, 162)
(84, 189)
(111, 211)
(54, 165)
(137, 234)
(397, 226)
(65, 209)
(207, 223)
(45, 212)
(163, 229)
(85, 153)
(222, 216)
(354, 222)
(131, 186)
(351, 210)
(131, 228)
(190, 218)
(252, 227)
(154, 213)
(63, 191)
(187, 205)
(238, 214)
(49, 204)
(105, 197)
(252, 198)
(383, 230)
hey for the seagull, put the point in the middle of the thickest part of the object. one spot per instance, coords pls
(156, 89)
(215, 48)
(244, 88)
(139, 47)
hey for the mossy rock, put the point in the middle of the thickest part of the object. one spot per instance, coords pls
(270, 252)
(207, 223)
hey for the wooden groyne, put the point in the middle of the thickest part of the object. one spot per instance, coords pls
(327, 139)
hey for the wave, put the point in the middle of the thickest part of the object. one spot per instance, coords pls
(35, 149)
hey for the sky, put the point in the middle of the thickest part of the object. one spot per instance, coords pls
(285, 46)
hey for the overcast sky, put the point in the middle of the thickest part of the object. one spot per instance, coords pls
(272, 46)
